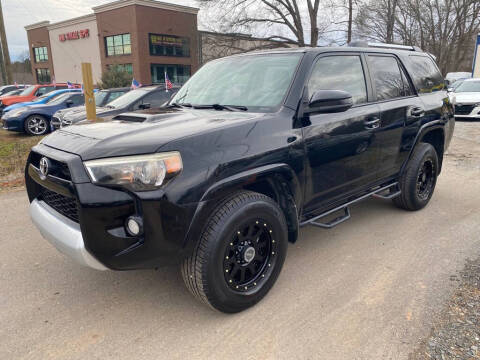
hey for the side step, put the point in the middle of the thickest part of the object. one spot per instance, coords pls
(378, 193)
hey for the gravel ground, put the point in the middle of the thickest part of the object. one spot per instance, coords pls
(456, 332)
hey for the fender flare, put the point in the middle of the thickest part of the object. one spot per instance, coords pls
(424, 129)
(281, 175)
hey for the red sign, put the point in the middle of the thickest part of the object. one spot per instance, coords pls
(74, 35)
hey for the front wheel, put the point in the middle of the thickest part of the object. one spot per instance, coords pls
(239, 254)
(36, 125)
(419, 179)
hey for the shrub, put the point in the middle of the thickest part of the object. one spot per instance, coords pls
(114, 77)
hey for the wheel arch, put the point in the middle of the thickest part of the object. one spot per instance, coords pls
(431, 133)
(278, 181)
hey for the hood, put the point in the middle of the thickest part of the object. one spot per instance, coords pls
(80, 114)
(9, 100)
(466, 98)
(120, 138)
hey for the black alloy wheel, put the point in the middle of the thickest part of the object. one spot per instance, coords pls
(419, 178)
(249, 256)
(239, 254)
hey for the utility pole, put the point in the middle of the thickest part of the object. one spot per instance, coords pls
(5, 60)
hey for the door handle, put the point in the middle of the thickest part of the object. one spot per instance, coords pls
(372, 123)
(417, 112)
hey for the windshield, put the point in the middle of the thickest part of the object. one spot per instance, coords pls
(100, 97)
(28, 90)
(127, 98)
(258, 82)
(468, 86)
(59, 99)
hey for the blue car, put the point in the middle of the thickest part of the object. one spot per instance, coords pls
(35, 119)
(40, 100)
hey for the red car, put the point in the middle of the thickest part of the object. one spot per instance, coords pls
(30, 93)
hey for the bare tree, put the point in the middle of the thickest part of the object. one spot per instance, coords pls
(295, 22)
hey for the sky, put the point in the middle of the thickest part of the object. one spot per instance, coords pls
(18, 13)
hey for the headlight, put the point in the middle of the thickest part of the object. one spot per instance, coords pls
(137, 173)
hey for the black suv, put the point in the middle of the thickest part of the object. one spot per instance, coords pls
(250, 149)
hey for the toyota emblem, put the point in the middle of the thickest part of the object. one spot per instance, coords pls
(44, 164)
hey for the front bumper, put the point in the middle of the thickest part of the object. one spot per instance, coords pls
(13, 124)
(98, 215)
(62, 233)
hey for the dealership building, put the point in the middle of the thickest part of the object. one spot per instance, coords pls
(144, 37)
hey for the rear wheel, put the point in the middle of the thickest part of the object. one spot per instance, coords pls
(36, 125)
(419, 179)
(240, 253)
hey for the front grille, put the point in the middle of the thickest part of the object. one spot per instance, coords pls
(64, 205)
(463, 109)
(57, 169)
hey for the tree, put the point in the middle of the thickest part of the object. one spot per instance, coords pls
(114, 77)
(289, 18)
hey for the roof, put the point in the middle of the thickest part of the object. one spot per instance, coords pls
(37, 25)
(150, 3)
(116, 89)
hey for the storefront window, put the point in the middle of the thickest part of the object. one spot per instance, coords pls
(123, 67)
(118, 45)
(169, 45)
(177, 74)
(41, 54)
(43, 76)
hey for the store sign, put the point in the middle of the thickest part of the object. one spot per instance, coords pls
(74, 35)
(166, 40)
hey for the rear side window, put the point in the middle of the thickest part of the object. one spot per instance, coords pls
(77, 99)
(387, 77)
(339, 72)
(157, 98)
(116, 94)
(426, 76)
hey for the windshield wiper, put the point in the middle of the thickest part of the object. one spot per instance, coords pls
(222, 107)
(179, 105)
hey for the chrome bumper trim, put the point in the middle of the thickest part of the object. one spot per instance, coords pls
(62, 233)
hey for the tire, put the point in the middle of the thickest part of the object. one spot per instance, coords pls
(213, 272)
(418, 181)
(36, 125)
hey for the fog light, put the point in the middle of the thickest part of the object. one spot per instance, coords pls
(134, 226)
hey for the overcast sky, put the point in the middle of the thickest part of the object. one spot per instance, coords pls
(18, 13)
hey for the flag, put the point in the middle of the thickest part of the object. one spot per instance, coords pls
(69, 85)
(168, 83)
(16, 85)
(135, 84)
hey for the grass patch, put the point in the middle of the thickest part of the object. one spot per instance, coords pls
(14, 150)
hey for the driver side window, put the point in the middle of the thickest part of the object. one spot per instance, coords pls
(339, 72)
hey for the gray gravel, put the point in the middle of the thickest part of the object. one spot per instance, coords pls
(456, 332)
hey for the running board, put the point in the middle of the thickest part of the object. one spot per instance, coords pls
(346, 215)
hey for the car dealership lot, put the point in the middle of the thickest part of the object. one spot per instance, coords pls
(367, 289)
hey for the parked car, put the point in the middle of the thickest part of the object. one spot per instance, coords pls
(253, 147)
(141, 98)
(13, 92)
(29, 93)
(35, 119)
(466, 99)
(102, 98)
(7, 88)
(454, 76)
(40, 100)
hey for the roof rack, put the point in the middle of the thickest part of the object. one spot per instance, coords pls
(384, 46)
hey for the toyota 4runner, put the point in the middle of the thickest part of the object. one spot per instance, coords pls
(250, 149)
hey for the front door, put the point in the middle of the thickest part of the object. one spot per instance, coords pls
(341, 147)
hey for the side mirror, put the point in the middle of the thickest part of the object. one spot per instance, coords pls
(144, 106)
(329, 101)
(69, 103)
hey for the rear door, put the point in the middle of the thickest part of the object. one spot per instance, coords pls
(398, 104)
(341, 150)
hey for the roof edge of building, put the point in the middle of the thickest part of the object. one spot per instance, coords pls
(37, 25)
(73, 21)
(150, 3)
(242, 36)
